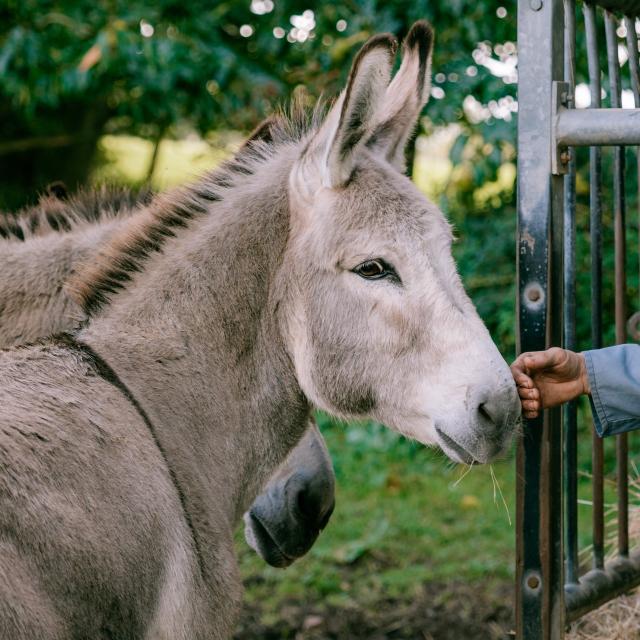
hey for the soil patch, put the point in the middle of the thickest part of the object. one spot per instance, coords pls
(450, 611)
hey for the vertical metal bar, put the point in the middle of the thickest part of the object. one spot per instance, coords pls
(632, 48)
(570, 417)
(634, 72)
(620, 252)
(595, 217)
(539, 569)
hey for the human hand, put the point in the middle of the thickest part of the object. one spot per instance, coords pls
(548, 378)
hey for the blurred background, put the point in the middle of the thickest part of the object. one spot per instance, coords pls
(136, 92)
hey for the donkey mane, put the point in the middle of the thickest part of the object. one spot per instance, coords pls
(125, 254)
(58, 212)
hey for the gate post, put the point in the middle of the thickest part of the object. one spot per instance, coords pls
(539, 553)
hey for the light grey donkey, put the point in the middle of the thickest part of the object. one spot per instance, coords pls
(41, 248)
(310, 272)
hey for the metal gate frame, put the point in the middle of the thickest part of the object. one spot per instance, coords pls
(549, 591)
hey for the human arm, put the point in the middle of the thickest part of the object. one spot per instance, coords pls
(614, 375)
(610, 376)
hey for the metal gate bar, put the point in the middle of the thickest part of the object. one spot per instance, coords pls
(622, 448)
(539, 565)
(549, 125)
(595, 231)
(570, 410)
(634, 73)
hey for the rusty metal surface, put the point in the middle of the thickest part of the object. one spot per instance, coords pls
(595, 230)
(620, 252)
(633, 323)
(540, 608)
(547, 306)
(569, 410)
(599, 586)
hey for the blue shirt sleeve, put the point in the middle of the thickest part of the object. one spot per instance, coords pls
(614, 377)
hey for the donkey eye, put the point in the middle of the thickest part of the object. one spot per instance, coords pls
(375, 270)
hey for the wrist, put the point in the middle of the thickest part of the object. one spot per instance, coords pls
(584, 375)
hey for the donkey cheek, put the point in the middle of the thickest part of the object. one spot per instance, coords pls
(343, 395)
(360, 402)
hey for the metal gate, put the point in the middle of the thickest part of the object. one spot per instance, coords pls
(551, 589)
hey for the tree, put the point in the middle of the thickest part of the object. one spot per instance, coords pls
(72, 70)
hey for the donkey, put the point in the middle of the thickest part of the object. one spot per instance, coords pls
(42, 247)
(310, 273)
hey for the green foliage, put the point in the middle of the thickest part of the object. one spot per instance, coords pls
(171, 62)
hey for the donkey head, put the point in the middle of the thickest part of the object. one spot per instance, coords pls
(377, 321)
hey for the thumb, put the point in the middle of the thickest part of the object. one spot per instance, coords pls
(538, 360)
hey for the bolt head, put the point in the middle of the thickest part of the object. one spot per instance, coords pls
(533, 582)
(535, 5)
(533, 294)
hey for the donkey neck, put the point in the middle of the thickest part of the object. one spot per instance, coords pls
(195, 337)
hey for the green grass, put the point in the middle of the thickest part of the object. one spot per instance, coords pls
(401, 520)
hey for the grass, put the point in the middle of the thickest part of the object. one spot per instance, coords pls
(401, 520)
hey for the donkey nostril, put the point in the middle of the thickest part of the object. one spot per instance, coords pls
(485, 413)
(308, 504)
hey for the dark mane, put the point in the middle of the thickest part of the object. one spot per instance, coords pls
(147, 231)
(56, 211)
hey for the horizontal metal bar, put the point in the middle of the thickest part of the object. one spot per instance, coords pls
(599, 586)
(597, 127)
(628, 7)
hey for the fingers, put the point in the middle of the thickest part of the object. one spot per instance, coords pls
(531, 401)
(529, 394)
(522, 380)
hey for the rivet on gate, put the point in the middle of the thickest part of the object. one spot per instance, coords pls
(533, 582)
(533, 296)
(535, 5)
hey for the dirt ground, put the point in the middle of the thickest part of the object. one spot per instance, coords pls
(441, 612)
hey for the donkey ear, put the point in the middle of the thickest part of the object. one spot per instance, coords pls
(405, 96)
(351, 120)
